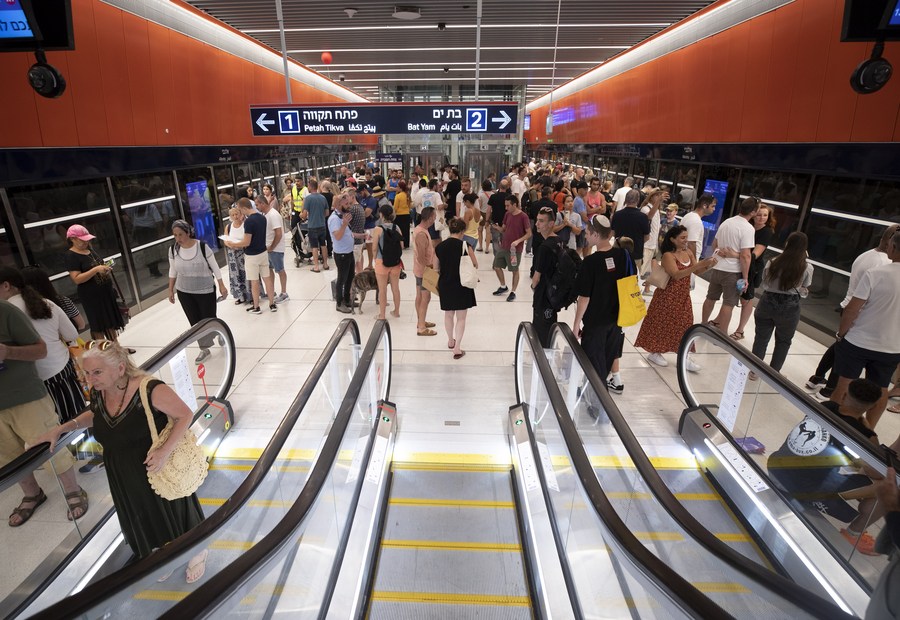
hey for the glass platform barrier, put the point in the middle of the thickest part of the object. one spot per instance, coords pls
(788, 465)
(242, 503)
(710, 561)
(53, 554)
(291, 568)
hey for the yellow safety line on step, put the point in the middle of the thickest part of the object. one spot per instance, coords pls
(448, 545)
(681, 496)
(161, 595)
(455, 458)
(734, 538)
(231, 545)
(659, 462)
(255, 503)
(446, 598)
(450, 467)
(658, 536)
(248, 454)
(294, 469)
(451, 503)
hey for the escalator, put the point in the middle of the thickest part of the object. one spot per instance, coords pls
(750, 556)
(245, 495)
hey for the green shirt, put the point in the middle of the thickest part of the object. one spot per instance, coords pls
(19, 381)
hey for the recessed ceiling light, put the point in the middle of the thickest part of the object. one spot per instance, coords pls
(407, 13)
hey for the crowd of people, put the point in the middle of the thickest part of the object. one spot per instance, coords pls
(577, 234)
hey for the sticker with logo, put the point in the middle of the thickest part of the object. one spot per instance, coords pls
(808, 438)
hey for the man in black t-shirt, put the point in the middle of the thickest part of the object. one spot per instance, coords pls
(453, 188)
(543, 202)
(497, 211)
(630, 222)
(597, 310)
(543, 268)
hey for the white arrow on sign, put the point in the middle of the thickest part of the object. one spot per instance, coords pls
(262, 122)
(503, 119)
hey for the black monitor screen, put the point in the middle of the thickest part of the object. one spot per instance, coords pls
(14, 23)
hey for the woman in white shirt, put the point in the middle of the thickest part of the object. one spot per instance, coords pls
(56, 370)
(192, 267)
(237, 273)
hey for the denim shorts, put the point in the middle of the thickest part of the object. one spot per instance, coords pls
(276, 261)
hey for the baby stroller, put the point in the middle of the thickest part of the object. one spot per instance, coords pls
(300, 244)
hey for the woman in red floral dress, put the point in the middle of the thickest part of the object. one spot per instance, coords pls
(670, 313)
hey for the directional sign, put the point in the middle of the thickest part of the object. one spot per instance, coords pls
(398, 118)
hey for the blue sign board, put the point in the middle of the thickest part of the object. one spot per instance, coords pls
(398, 118)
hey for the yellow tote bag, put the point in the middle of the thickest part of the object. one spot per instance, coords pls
(631, 303)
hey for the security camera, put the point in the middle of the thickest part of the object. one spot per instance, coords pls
(442, 26)
(872, 74)
(342, 77)
(45, 79)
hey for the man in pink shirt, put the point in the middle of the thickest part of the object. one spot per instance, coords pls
(516, 230)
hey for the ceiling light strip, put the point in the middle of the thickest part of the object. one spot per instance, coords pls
(66, 218)
(412, 80)
(769, 201)
(147, 202)
(212, 32)
(452, 66)
(367, 50)
(683, 34)
(385, 66)
(255, 31)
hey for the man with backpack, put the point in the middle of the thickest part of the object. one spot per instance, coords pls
(547, 279)
(389, 251)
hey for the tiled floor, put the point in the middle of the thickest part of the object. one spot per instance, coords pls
(276, 351)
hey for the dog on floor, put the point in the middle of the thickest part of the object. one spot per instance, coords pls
(363, 282)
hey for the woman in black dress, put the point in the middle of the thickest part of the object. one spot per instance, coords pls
(456, 299)
(120, 426)
(95, 286)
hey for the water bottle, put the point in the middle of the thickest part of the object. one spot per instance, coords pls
(741, 285)
(513, 257)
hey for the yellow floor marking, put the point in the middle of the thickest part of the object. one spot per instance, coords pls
(734, 538)
(713, 586)
(441, 598)
(160, 595)
(451, 503)
(456, 458)
(294, 469)
(450, 545)
(659, 462)
(231, 545)
(255, 503)
(450, 467)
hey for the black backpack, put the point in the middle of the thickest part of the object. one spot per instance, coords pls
(561, 287)
(391, 246)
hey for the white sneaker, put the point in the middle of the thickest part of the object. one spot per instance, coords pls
(693, 366)
(282, 297)
(658, 359)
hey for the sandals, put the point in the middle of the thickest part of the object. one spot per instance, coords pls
(713, 324)
(426, 332)
(25, 513)
(459, 355)
(196, 567)
(316, 270)
(428, 324)
(894, 408)
(737, 335)
(451, 344)
(81, 504)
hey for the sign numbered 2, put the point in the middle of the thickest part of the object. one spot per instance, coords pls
(476, 119)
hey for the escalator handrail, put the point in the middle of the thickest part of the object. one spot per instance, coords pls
(37, 455)
(804, 599)
(221, 586)
(93, 594)
(874, 456)
(676, 587)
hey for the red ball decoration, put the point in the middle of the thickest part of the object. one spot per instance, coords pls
(326, 58)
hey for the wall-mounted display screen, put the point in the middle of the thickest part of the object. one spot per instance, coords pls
(14, 22)
(200, 204)
(892, 15)
(711, 222)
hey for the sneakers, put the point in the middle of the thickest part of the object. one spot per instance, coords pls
(658, 359)
(254, 310)
(344, 309)
(692, 366)
(204, 354)
(500, 291)
(823, 394)
(273, 308)
(815, 382)
(613, 387)
(864, 543)
(281, 298)
(511, 297)
(93, 466)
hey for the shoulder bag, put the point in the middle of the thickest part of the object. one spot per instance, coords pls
(658, 277)
(468, 275)
(186, 468)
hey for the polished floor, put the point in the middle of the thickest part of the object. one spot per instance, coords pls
(449, 411)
